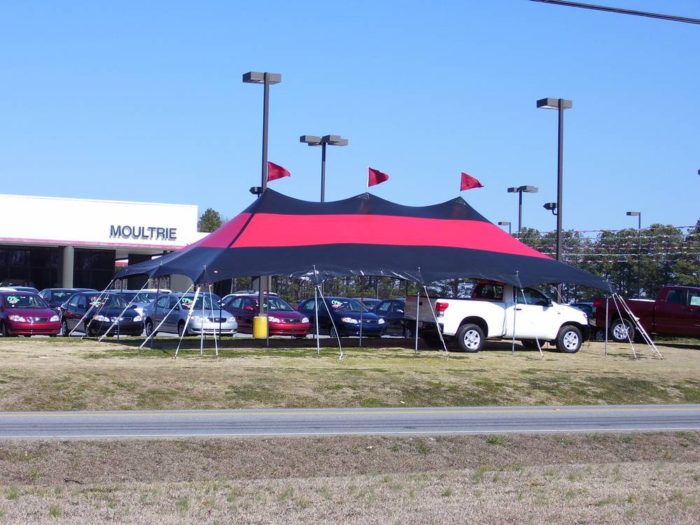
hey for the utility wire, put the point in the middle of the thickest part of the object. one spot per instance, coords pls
(619, 10)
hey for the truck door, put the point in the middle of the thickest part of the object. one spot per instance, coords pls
(678, 313)
(535, 315)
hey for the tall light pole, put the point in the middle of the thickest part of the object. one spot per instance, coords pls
(332, 140)
(638, 214)
(506, 223)
(560, 104)
(266, 79)
(520, 190)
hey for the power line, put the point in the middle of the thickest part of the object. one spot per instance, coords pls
(619, 10)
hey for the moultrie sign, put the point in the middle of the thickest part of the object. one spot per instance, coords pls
(144, 233)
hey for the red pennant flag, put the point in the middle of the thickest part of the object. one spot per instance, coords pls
(469, 182)
(275, 172)
(376, 177)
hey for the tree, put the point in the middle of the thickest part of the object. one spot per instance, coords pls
(209, 221)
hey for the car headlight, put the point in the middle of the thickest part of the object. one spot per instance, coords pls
(17, 318)
(305, 320)
(349, 320)
(101, 318)
(54, 318)
(273, 319)
(138, 318)
(381, 321)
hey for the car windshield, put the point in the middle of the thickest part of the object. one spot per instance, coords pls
(278, 305)
(346, 305)
(206, 302)
(145, 297)
(61, 295)
(24, 301)
(107, 301)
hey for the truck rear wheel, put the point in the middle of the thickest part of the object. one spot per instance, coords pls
(569, 339)
(470, 337)
(622, 330)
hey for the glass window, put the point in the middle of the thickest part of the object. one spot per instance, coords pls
(694, 298)
(163, 302)
(489, 291)
(530, 296)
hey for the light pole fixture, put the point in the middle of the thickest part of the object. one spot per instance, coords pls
(326, 140)
(520, 190)
(638, 214)
(505, 223)
(266, 79)
(560, 104)
(551, 206)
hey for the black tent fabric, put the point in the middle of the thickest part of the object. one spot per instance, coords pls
(362, 235)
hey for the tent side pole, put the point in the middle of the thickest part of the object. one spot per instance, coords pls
(318, 334)
(417, 316)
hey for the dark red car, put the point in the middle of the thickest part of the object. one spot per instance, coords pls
(282, 319)
(25, 313)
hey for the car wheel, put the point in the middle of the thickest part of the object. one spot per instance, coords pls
(181, 329)
(149, 327)
(2, 330)
(91, 331)
(622, 330)
(569, 339)
(332, 332)
(470, 337)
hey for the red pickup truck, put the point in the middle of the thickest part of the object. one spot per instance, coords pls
(675, 312)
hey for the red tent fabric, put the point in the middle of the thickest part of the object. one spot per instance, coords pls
(362, 235)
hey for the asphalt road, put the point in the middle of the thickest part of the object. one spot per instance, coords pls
(323, 422)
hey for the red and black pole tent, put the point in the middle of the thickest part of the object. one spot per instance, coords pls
(362, 235)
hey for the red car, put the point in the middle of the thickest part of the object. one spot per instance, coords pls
(282, 319)
(25, 313)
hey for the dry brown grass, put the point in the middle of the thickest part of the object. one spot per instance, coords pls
(642, 478)
(43, 374)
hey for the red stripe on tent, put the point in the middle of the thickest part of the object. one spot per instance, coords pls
(268, 230)
(222, 237)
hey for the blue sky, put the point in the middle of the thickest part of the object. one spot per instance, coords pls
(143, 101)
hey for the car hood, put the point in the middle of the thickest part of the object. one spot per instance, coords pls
(286, 314)
(356, 315)
(31, 312)
(113, 312)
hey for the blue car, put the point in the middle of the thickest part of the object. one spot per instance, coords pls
(349, 315)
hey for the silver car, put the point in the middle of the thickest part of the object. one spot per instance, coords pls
(205, 315)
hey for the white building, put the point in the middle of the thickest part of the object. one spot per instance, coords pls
(61, 242)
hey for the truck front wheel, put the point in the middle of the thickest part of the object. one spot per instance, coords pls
(569, 339)
(622, 330)
(470, 337)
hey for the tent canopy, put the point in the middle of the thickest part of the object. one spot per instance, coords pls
(362, 235)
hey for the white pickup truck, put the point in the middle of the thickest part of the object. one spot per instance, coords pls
(501, 311)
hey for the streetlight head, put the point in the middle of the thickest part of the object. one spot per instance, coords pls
(554, 103)
(523, 189)
(634, 213)
(256, 77)
(504, 223)
(256, 190)
(551, 206)
(311, 140)
(334, 140)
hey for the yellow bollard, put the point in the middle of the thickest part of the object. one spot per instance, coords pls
(260, 327)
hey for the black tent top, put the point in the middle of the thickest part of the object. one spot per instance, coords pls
(362, 235)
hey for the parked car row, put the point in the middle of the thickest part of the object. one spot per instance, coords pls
(61, 311)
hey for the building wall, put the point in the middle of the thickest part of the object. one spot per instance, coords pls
(54, 241)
